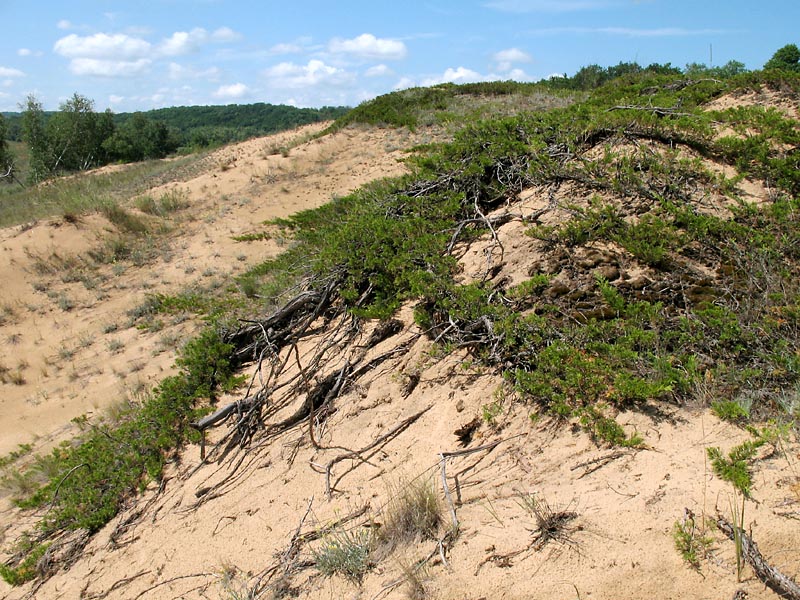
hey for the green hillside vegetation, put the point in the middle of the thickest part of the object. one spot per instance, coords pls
(579, 353)
(75, 137)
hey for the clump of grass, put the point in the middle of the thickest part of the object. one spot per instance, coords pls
(551, 524)
(345, 553)
(124, 220)
(115, 346)
(414, 513)
(166, 204)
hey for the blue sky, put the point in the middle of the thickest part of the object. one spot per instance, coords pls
(152, 53)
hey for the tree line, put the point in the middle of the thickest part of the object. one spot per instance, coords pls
(76, 137)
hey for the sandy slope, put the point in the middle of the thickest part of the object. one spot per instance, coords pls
(180, 542)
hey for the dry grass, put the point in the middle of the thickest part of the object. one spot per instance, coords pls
(413, 513)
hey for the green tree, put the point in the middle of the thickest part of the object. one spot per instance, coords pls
(6, 159)
(75, 135)
(139, 138)
(33, 135)
(786, 58)
(729, 69)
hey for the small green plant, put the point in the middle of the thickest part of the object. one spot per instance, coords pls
(345, 553)
(735, 468)
(490, 412)
(690, 542)
(730, 410)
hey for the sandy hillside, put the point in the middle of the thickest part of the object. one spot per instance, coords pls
(250, 524)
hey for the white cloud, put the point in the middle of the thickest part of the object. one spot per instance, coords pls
(177, 71)
(186, 42)
(505, 59)
(235, 90)
(378, 71)
(459, 75)
(9, 72)
(518, 75)
(28, 52)
(102, 46)
(286, 49)
(64, 24)
(404, 84)
(513, 55)
(183, 42)
(109, 68)
(114, 99)
(225, 34)
(367, 45)
(316, 72)
(553, 6)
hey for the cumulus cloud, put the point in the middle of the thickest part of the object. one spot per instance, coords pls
(114, 99)
(225, 34)
(28, 52)
(234, 90)
(186, 42)
(378, 71)
(109, 68)
(404, 84)
(9, 72)
(64, 24)
(316, 72)
(458, 75)
(102, 46)
(367, 45)
(183, 42)
(505, 59)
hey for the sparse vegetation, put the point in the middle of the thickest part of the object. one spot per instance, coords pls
(623, 318)
(345, 553)
(413, 513)
(87, 481)
(690, 541)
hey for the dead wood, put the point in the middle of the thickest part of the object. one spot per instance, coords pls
(360, 454)
(781, 584)
(590, 466)
(117, 585)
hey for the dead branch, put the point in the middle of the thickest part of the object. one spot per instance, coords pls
(659, 111)
(386, 437)
(590, 466)
(117, 585)
(781, 584)
(172, 580)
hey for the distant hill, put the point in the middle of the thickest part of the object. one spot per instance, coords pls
(212, 125)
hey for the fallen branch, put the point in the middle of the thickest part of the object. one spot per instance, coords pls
(358, 453)
(781, 584)
(595, 464)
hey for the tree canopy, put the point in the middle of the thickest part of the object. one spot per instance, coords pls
(786, 59)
